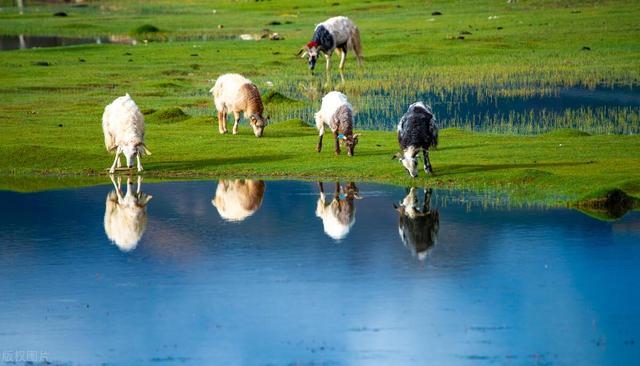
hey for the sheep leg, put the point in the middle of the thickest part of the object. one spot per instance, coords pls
(236, 118)
(138, 187)
(427, 163)
(139, 163)
(328, 57)
(335, 136)
(336, 194)
(321, 187)
(427, 200)
(319, 148)
(115, 162)
(221, 122)
(343, 57)
(118, 164)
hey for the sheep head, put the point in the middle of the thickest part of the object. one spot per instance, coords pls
(409, 160)
(310, 51)
(258, 123)
(350, 141)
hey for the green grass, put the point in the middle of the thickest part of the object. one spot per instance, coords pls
(538, 49)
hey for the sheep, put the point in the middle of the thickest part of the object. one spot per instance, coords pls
(239, 199)
(337, 113)
(123, 127)
(125, 217)
(417, 130)
(233, 92)
(337, 33)
(338, 216)
(418, 228)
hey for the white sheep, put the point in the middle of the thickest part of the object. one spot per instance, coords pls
(235, 93)
(338, 215)
(125, 216)
(337, 113)
(238, 199)
(123, 127)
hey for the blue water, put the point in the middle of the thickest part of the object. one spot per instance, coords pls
(268, 285)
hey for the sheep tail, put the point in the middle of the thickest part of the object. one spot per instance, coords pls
(356, 44)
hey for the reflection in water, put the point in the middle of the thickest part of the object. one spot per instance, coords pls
(125, 217)
(418, 226)
(338, 216)
(238, 199)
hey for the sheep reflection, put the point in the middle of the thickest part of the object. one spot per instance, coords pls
(238, 199)
(418, 226)
(125, 215)
(338, 216)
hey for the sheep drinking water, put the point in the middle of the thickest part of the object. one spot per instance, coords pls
(125, 215)
(123, 127)
(238, 199)
(418, 226)
(334, 34)
(337, 113)
(235, 93)
(417, 130)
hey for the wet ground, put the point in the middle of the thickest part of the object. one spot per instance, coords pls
(251, 272)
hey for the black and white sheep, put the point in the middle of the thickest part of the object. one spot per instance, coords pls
(334, 34)
(418, 226)
(417, 130)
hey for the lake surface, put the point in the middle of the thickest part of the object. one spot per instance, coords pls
(250, 272)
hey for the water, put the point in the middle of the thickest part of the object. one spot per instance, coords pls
(272, 283)
(8, 43)
(523, 110)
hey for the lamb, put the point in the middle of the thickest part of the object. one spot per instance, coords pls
(123, 127)
(337, 113)
(338, 216)
(239, 199)
(418, 228)
(125, 217)
(235, 93)
(337, 33)
(417, 130)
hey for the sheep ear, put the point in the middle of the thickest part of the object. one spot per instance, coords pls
(397, 156)
(146, 151)
(303, 51)
(355, 136)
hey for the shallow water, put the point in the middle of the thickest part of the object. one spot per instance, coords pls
(273, 283)
(525, 110)
(8, 43)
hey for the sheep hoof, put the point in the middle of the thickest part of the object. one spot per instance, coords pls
(235, 132)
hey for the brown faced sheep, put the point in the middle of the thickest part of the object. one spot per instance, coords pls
(238, 199)
(233, 92)
(338, 216)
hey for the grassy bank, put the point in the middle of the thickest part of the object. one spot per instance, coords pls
(52, 99)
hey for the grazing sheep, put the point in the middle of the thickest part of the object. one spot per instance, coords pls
(338, 216)
(232, 92)
(417, 131)
(337, 113)
(125, 217)
(418, 228)
(123, 127)
(337, 33)
(236, 200)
